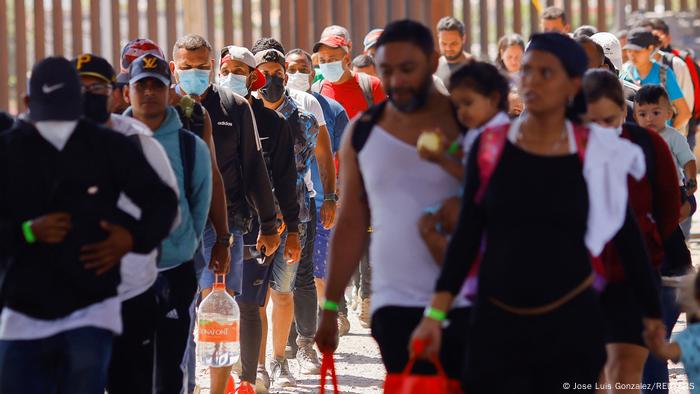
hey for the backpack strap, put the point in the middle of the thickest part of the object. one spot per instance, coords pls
(491, 145)
(188, 146)
(364, 125)
(662, 74)
(366, 86)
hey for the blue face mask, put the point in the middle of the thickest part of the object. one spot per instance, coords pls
(237, 83)
(332, 72)
(194, 81)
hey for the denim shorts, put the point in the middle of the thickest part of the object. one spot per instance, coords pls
(283, 275)
(235, 274)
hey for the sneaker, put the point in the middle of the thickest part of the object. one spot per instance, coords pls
(355, 301)
(262, 380)
(364, 313)
(343, 324)
(308, 360)
(281, 376)
(245, 388)
(290, 351)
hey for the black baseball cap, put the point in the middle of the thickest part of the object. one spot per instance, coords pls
(55, 91)
(640, 38)
(122, 80)
(149, 66)
(94, 66)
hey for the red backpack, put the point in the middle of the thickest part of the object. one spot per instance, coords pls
(491, 147)
(694, 75)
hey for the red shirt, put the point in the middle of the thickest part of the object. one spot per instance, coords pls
(656, 204)
(349, 94)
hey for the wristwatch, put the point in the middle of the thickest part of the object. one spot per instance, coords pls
(330, 197)
(226, 240)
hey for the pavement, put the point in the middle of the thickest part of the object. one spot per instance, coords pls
(360, 370)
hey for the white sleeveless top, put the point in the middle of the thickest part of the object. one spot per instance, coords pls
(400, 186)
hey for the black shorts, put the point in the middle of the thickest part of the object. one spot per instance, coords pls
(622, 314)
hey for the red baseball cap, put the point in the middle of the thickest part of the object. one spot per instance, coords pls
(136, 48)
(332, 41)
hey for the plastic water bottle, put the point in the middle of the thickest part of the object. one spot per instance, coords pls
(218, 320)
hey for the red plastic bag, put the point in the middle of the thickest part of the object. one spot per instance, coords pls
(406, 383)
(328, 366)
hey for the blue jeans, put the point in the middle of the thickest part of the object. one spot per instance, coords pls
(72, 362)
(655, 370)
(235, 274)
(283, 275)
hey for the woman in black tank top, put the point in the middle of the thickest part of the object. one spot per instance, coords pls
(537, 325)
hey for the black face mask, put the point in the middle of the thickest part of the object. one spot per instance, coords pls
(418, 99)
(274, 89)
(95, 107)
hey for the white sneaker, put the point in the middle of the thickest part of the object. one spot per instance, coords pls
(281, 375)
(343, 324)
(262, 380)
(365, 318)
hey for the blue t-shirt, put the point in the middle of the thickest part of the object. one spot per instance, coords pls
(336, 120)
(689, 342)
(654, 78)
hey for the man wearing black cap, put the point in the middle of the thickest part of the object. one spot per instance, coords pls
(63, 236)
(189, 156)
(131, 366)
(641, 70)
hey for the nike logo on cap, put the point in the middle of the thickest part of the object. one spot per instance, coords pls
(49, 89)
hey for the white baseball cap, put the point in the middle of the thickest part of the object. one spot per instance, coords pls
(611, 47)
(245, 56)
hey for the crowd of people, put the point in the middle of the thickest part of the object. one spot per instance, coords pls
(524, 221)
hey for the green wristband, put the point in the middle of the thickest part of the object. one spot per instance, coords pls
(329, 305)
(454, 148)
(435, 314)
(27, 231)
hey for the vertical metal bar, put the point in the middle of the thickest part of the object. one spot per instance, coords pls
(550, 3)
(398, 9)
(20, 53)
(500, 19)
(77, 27)
(416, 10)
(379, 16)
(153, 20)
(116, 44)
(171, 25)
(57, 26)
(228, 22)
(265, 10)
(303, 25)
(133, 19)
(684, 5)
(285, 23)
(601, 18)
(651, 5)
(534, 18)
(467, 19)
(436, 12)
(568, 10)
(584, 12)
(247, 14)
(667, 5)
(517, 17)
(360, 24)
(341, 13)
(39, 30)
(634, 4)
(484, 28)
(4, 66)
(95, 28)
(210, 22)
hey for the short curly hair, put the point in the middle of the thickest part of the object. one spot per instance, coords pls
(267, 43)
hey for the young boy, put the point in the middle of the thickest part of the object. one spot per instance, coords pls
(652, 109)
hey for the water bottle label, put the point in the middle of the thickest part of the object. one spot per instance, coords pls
(211, 331)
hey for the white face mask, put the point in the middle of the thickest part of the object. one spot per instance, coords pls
(235, 82)
(56, 132)
(332, 71)
(299, 81)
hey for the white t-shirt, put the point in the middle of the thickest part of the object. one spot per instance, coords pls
(307, 102)
(139, 271)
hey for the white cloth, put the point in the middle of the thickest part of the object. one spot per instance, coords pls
(685, 81)
(499, 119)
(56, 132)
(139, 271)
(400, 187)
(309, 184)
(609, 160)
(440, 86)
(307, 102)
